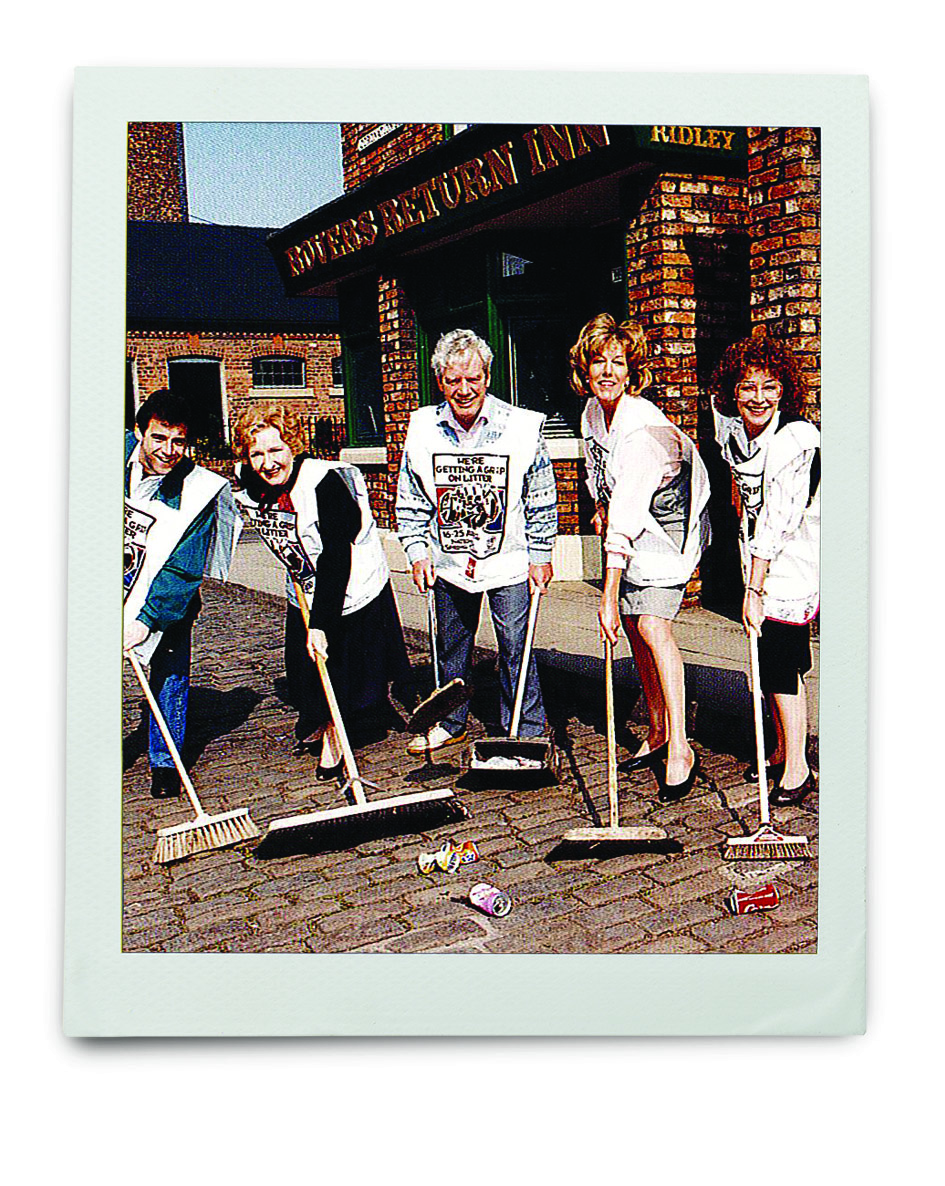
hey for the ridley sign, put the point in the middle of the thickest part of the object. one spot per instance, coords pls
(475, 177)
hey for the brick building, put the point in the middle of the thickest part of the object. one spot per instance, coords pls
(524, 233)
(207, 315)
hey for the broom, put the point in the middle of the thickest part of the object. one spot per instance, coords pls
(766, 843)
(615, 834)
(204, 832)
(324, 829)
(442, 700)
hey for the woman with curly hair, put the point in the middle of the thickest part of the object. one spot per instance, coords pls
(774, 454)
(316, 519)
(651, 490)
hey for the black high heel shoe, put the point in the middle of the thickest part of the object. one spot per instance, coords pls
(672, 792)
(324, 773)
(644, 761)
(792, 796)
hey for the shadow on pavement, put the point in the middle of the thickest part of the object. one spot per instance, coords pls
(210, 714)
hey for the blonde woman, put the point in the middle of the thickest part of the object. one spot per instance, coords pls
(316, 519)
(651, 490)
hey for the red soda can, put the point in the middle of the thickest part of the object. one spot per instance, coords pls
(748, 901)
(490, 900)
(467, 852)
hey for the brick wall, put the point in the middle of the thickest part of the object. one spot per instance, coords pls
(157, 184)
(399, 368)
(407, 142)
(151, 351)
(784, 192)
(683, 254)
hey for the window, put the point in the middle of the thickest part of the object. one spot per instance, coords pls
(276, 370)
(337, 372)
(361, 358)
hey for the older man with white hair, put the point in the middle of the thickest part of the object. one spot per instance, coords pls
(477, 513)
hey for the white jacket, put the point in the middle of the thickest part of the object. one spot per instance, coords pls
(645, 451)
(778, 479)
(294, 537)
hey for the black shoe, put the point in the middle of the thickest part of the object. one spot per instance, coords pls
(774, 771)
(165, 783)
(644, 761)
(792, 796)
(672, 792)
(328, 772)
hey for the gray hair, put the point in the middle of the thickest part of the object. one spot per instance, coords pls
(457, 342)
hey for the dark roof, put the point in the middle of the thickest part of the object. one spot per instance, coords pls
(187, 275)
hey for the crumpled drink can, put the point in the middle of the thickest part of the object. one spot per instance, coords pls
(447, 859)
(749, 901)
(490, 900)
(468, 853)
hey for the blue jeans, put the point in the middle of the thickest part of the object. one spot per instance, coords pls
(170, 683)
(457, 613)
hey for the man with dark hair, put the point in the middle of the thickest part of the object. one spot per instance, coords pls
(180, 525)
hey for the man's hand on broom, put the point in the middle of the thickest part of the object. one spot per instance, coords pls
(135, 632)
(317, 643)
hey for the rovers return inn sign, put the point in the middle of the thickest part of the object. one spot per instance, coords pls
(488, 171)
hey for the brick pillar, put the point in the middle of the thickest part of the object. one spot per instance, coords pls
(398, 340)
(687, 285)
(784, 196)
(157, 182)
(688, 233)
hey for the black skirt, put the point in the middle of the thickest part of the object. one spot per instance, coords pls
(783, 656)
(366, 654)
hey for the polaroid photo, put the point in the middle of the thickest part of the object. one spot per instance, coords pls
(492, 494)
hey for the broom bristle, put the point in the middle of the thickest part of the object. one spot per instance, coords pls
(766, 844)
(345, 827)
(203, 834)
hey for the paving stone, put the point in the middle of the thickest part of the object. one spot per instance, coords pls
(777, 939)
(682, 867)
(626, 885)
(359, 933)
(702, 886)
(198, 915)
(346, 917)
(150, 938)
(719, 933)
(612, 913)
(669, 945)
(436, 937)
(796, 906)
(661, 922)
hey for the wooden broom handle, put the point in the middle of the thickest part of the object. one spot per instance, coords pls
(759, 726)
(611, 734)
(165, 732)
(523, 670)
(350, 764)
(431, 622)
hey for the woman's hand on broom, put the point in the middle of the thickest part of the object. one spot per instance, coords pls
(317, 643)
(608, 612)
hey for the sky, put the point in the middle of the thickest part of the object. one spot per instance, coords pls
(260, 174)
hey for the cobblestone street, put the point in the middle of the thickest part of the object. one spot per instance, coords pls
(666, 898)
